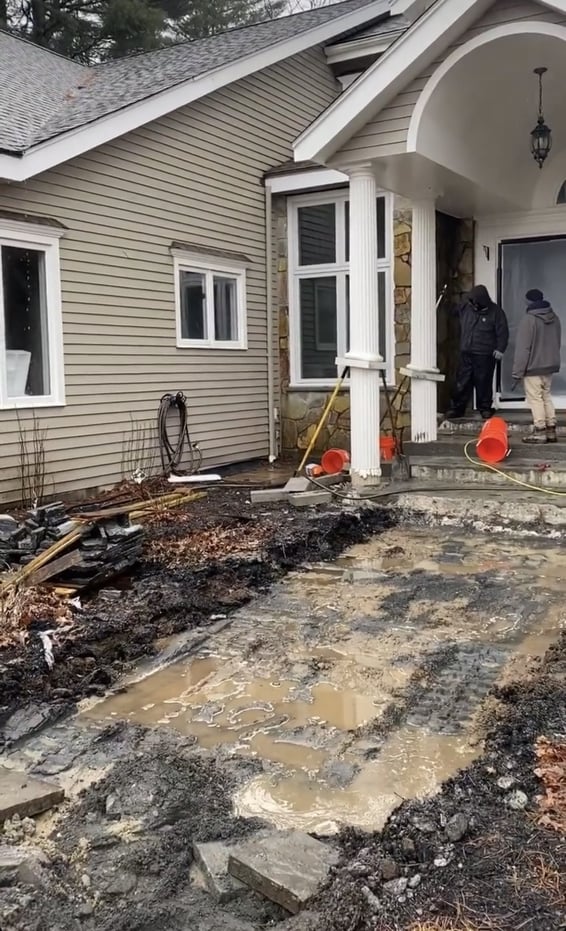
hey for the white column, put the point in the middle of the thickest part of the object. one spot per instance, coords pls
(422, 368)
(363, 358)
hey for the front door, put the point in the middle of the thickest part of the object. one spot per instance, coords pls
(525, 264)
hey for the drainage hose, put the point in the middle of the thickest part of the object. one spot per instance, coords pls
(172, 452)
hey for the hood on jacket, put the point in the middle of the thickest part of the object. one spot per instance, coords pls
(544, 313)
(480, 297)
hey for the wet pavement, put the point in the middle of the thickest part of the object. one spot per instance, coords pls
(361, 683)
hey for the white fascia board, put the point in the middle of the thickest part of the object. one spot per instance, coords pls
(559, 5)
(75, 142)
(360, 48)
(419, 45)
(306, 180)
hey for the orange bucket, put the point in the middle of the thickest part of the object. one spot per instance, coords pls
(387, 447)
(334, 461)
(493, 443)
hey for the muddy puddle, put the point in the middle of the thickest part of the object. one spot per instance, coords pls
(360, 684)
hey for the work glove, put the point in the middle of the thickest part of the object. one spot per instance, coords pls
(497, 355)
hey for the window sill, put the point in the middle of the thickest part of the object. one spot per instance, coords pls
(202, 344)
(29, 403)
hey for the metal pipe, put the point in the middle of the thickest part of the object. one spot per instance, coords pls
(273, 451)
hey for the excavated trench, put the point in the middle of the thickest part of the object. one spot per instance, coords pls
(361, 683)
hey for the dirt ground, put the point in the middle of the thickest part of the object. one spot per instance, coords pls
(204, 561)
(487, 852)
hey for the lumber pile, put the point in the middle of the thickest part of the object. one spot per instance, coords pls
(84, 550)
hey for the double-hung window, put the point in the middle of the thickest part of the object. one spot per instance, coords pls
(210, 302)
(319, 284)
(31, 341)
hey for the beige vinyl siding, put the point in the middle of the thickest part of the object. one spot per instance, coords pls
(193, 176)
(386, 134)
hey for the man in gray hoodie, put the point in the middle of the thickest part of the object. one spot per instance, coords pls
(537, 358)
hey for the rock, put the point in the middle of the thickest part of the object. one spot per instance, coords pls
(84, 910)
(415, 881)
(408, 846)
(21, 865)
(24, 795)
(28, 827)
(517, 800)
(286, 867)
(112, 807)
(424, 825)
(441, 862)
(213, 861)
(457, 827)
(389, 869)
(86, 881)
(371, 899)
(506, 782)
(396, 887)
(120, 883)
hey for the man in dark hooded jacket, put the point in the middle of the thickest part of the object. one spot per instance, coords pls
(484, 334)
(537, 359)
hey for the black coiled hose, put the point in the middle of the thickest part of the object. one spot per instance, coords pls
(172, 453)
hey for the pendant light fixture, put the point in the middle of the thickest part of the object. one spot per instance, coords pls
(541, 136)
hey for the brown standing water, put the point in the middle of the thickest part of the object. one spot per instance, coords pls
(361, 683)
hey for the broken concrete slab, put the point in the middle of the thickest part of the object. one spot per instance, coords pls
(26, 796)
(21, 865)
(213, 861)
(297, 484)
(268, 495)
(308, 499)
(286, 867)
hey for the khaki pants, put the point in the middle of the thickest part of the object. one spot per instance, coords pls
(539, 399)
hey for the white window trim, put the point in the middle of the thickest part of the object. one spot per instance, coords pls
(209, 266)
(340, 270)
(42, 239)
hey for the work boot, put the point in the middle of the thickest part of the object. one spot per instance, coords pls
(551, 436)
(453, 414)
(536, 437)
(486, 415)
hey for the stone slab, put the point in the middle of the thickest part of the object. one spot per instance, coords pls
(309, 499)
(297, 484)
(26, 796)
(21, 865)
(213, 861)
(268, 495)
(286, 867)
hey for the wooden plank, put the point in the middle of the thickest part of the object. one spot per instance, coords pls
(74, 558)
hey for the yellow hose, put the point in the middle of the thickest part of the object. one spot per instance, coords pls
(510, 478)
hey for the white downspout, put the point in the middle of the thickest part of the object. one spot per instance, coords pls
(273, 452)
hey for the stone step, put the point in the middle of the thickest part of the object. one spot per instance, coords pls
(452, 471)
(452, 447)
(517, 422)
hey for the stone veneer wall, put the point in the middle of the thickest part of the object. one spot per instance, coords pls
(301, 408)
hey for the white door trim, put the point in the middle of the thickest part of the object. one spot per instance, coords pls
(490, 232)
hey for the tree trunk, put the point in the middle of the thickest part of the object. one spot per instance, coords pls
(39, 20)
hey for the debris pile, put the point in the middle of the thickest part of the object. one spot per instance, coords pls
(95, 552)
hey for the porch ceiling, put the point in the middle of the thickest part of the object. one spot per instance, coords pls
(476, 123)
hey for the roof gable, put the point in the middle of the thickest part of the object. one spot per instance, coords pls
(440, 25)
(91, 105)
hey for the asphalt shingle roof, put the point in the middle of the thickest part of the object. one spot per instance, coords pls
(45, 95)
